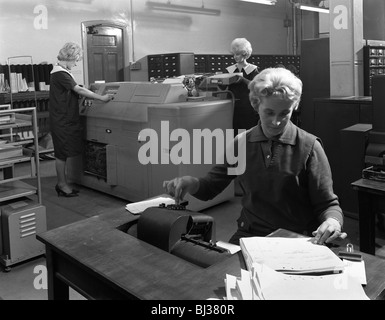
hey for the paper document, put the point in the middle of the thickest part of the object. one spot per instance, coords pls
(240, 288)
(232, 248)
(244, 285)
(290, 255)
(231, 288)
(139, 207)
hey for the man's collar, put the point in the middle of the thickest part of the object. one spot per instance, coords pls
(289, 135)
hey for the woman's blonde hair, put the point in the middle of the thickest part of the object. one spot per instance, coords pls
(241, 45)
(277, 82)
(70, 52)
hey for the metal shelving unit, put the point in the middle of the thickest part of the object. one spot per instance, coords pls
(22, 213)
(24, 118)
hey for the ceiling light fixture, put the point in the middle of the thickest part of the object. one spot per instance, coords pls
(311, 8)
(312, 5)
(179, 8)
(268, 2)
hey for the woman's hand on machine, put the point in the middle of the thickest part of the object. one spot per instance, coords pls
(107, 97)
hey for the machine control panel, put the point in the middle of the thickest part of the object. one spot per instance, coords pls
(110, 89)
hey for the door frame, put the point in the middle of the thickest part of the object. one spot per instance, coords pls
(126, 41)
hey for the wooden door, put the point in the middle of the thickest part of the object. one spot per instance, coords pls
(105, 55)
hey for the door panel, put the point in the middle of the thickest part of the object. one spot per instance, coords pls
(105, 53)
(98, 73)
(112, 66)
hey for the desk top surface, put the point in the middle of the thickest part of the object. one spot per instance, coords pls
(141, 269)
(149, 273)
(346, 99)
(369, 186)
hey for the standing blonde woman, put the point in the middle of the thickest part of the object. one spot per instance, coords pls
(244, 115)
(66, 130)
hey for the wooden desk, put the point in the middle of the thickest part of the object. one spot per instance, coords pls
(100, 261)
(369, 194)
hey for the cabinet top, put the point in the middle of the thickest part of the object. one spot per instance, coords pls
(350, 99)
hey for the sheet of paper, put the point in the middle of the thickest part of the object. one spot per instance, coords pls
(139, 207)
(232, 248)
(231, 288)
(356, 269)
(244, 285)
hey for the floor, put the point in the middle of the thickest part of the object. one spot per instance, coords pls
(27, 281)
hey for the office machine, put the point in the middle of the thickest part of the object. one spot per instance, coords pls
(212, 82)
(154, 122)
(224, 78)
(187, 234)
(20, 221)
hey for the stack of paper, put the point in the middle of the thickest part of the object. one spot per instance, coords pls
(139, 207)
(240, 288)
(290, 255)
(274, 285)
(263, 283)
(292, 269)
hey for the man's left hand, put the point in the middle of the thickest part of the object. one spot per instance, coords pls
(328, 231)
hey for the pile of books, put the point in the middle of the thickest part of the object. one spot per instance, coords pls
(291, 269)
(7, 118)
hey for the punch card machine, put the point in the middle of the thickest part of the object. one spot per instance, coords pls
(113, 130)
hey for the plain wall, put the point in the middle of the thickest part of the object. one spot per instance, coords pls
(374, 19)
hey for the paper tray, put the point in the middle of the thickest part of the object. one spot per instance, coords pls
(7, 152)
(374, 173)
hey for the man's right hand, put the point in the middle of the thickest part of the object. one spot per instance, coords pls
(179, 187)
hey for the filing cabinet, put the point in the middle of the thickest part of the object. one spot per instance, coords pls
(374, 64)
(162, 66)
(217, 63)
(170, 65)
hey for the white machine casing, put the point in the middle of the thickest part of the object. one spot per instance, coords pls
(20, 221)
(116, 126)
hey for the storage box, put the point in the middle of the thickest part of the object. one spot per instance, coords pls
(20, 221)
